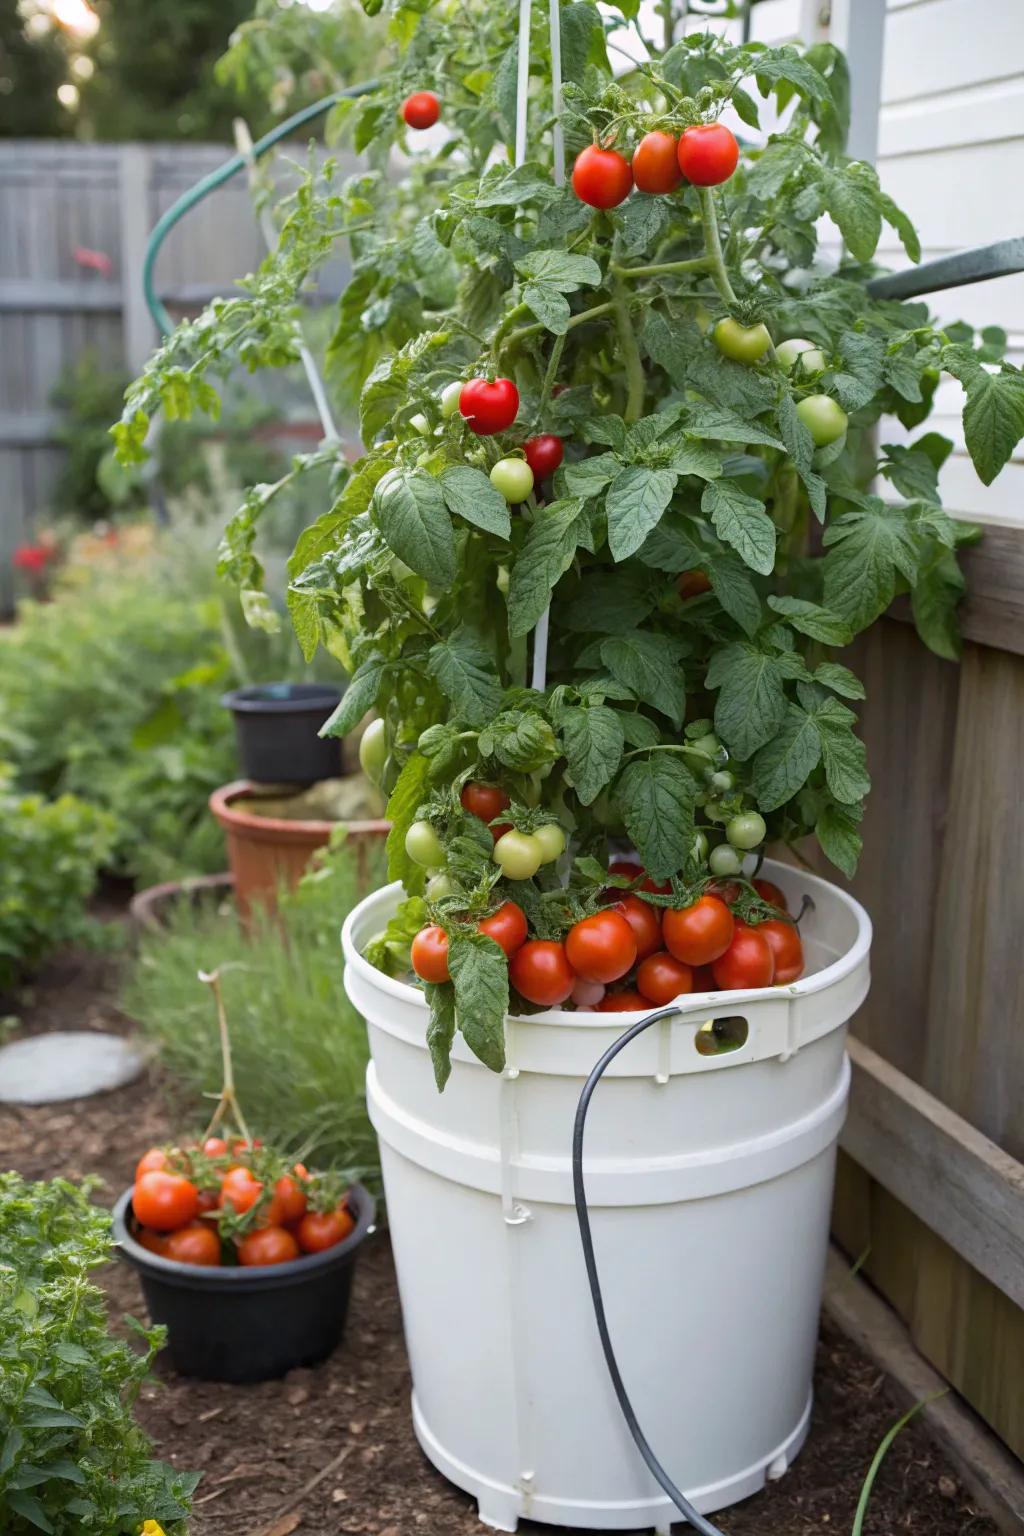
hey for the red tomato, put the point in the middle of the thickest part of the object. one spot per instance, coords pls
(208, 1200)
(657, 887)
(324, 1229)
(708, 154)
(601, 177)
(240, 1145)
(287, 1203)
(655, 163)
(484, 800)
(164, 1200)
(627, 867)
(623, 1002)
(151, 1162)
(773, 894)
(488, 406)
(699, 933)
(703, 979)
(543, 454)
(602, 947)
(421, 110)
(197, 1243)
(787, 950)
(662, 977)
(430, 954)
(215, 1146)
(506, 927)
(240, 1190)
(153, 1242)
(644, 921)
(692, 583)
(541, 972)
(748, 962)
(268, 1245)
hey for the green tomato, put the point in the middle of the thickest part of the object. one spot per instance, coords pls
(450, 398)
(423, 845)
(420, 424)
(700, 847)
(743, 343)
(724, 860)
(373, 750)
(723, 781)
(513, 478)
(802, 355)
(746, 831)
(823, 417)
(503, 580)
(552, 841)
(439, 886)
(519, 853)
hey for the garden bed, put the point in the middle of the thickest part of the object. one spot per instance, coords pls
(259, 1447)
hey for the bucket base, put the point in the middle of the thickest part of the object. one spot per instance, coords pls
(502, 1506)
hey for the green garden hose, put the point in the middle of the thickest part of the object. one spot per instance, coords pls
(216, 179)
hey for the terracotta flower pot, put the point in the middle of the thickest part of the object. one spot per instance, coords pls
(267, 851)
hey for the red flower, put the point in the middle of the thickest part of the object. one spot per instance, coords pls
(31, 557)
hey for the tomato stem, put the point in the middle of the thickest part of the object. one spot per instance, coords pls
(527, 331)
(664, 268)
(550, 374)
(635, 382)
(713, 244)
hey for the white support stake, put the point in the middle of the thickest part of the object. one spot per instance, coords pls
(523, 79)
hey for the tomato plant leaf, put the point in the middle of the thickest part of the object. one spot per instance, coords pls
(304, 609)
(592, 740)
(852, 198)
(589, 477)
(724, 426)
(519, 740)
(840, 679)
(865, 551)
(403, 803)
(464, 669)
(469, 494)
(783, 765)
(647, 664)
(837, 832)
(635, 501)
(752, 700)
(741, 520)
(734, 590)
(993, 419)
(479, 972)
(655, 795)
(812, 620)
(558, 269)
(545, 556)
(550, 306)
(843, 753)
(410, 511)
(934, 600)
(441, 1029)
(359, 696)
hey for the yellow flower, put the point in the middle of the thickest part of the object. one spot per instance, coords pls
(151, 1528)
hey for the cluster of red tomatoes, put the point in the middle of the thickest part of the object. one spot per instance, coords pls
(180, 1198)
(704, 156)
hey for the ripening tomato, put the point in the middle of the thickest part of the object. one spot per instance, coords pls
(215, 1146)
(692, 583)
(240, 1190)
(601, 177)
(483, 800)
(520, 854)
(506, 927)
(489, 406)
(208, 1201)
(197, 1243)
(662, 977)
(743, 343)
(164, 1200)
(698, 934)
(703, 979)
(628, 1001)
(644, 921)
(319, 1230)
(153, 1242)
(421, 110)
(823, 417)
(541, 972)
(543, 454)
(513, 479)
(151, 1162)
(773, 894)
(423, 845)
(748, 962)
(787, 950)
(601, 947)
(708, 154)
(630, 868)
(267, 1245)
(287, 1203)
(656, 163)
(430, 954)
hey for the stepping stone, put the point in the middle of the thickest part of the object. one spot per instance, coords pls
(67, 1064)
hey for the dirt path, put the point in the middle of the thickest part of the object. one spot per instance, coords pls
(259, 1446)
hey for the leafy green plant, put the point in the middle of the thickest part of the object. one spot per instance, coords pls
(299, 1048)
(72, 1458)
(52, 850)
(714, 536)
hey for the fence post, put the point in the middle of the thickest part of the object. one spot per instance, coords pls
(139, 333)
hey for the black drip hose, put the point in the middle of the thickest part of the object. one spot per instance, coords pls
(680, 1500)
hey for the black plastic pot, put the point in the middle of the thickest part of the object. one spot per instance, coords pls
(244, 1325)
(276, 726)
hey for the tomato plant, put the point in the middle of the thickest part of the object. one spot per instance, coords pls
(696, 399)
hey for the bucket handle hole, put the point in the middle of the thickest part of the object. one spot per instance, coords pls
(719, 1036)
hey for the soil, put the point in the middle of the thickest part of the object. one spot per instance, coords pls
(260, 1448)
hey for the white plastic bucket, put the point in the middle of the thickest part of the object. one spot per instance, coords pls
(709, 1181)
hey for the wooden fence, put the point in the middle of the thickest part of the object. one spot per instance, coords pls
(931, 1179)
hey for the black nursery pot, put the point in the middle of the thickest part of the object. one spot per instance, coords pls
(245, 1325)
(276, 726)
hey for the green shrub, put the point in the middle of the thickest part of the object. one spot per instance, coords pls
(113, 693)
(299, 1047)
(72, 1458)
(49, 854)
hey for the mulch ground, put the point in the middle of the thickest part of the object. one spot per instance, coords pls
(259, 1448)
